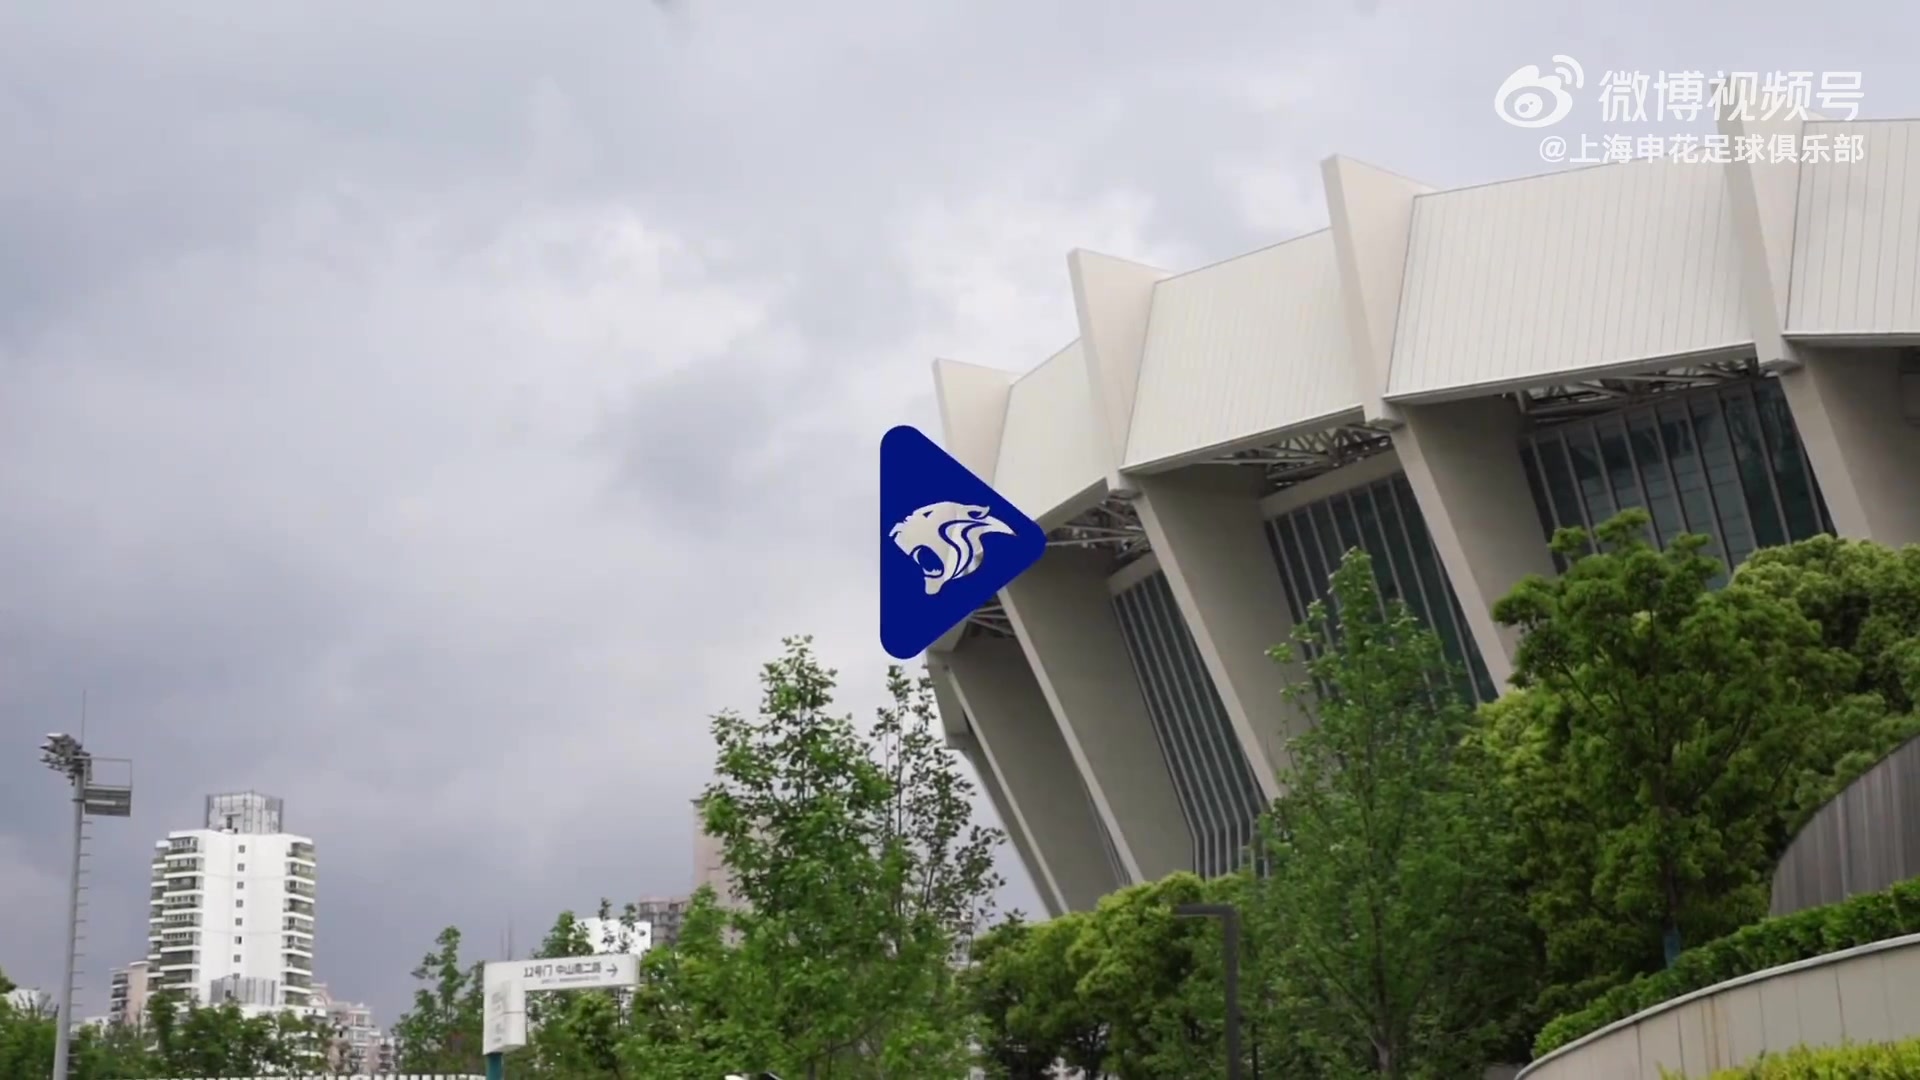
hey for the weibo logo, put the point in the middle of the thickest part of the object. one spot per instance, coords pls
(946, 540)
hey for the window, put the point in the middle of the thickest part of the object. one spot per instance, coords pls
(237, 922)
(1215, 788)
(236, 958)
(236, 939)
(243, 849)
(239, 903)
(242, 868)
(1725, 462)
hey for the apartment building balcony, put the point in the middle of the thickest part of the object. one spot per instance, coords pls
(297, 962)
(302, 870)
(301, 851)
(191, 864)
(299, 888)
(298, 924)
(179, 959)
(299, 907)
(301, 943)
(183, 884)
(180, 844)
(176, 901)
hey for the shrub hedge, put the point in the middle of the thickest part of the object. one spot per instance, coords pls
(1860, 920)
(1870, 1061)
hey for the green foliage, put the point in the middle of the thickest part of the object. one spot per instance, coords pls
(1866, 1061)
(1024, 987)
(1654, 748)
(1389, 896)
(1860, 920)
(1866, 599)
(441, 1033)
(578, 1034)
(1156, 980)
(185, 1041)
(858, 876)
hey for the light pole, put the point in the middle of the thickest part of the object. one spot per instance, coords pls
(64, 755)
(1229, 917)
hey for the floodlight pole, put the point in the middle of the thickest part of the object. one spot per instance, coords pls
(1229, 917)
(72, 760)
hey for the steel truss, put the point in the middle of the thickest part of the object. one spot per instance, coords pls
(1303, 457)
(1553, 404)
(1113, 526)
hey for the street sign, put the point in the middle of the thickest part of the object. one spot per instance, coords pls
(505, 1026)
(580, 972)
(506, 984)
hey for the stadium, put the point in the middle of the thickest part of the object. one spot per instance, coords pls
(1442, 378)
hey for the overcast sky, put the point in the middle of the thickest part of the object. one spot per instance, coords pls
(430, 415)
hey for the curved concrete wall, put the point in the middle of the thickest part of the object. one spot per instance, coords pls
(1865, 839)
(1863, 995)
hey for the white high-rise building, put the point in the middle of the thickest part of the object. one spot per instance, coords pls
(232, 908)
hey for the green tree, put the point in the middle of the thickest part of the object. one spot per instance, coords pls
(1024, 987)
(1157, 980)
(577, 1034)
(859, 877)
(26, 1038)
(697, 1011)
(1398, 939)
(1655, 746)
(116, 1052)
(1864, 596)
(441, 1033)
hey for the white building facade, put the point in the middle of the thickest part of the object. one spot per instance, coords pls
(232, 915)
(127, 999)
(1440, 378)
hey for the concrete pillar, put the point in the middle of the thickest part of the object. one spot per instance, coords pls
(1113, 299)
(1371, 212)
(1851, 408)
(1017, 832)
(1850, 405)
(960, 736)
(1463, 458)
(1063, 615)
(1209, 534)
(1044, 807)
(1463, 462)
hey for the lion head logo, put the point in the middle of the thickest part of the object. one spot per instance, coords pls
(944, 539)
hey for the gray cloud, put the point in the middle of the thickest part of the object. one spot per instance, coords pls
(391, 403)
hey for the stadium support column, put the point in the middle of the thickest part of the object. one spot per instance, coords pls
(1852, 406)
(1463, 463)
(1027, 769)
(1462, 458)
(1063, 615)
(1206, 528)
